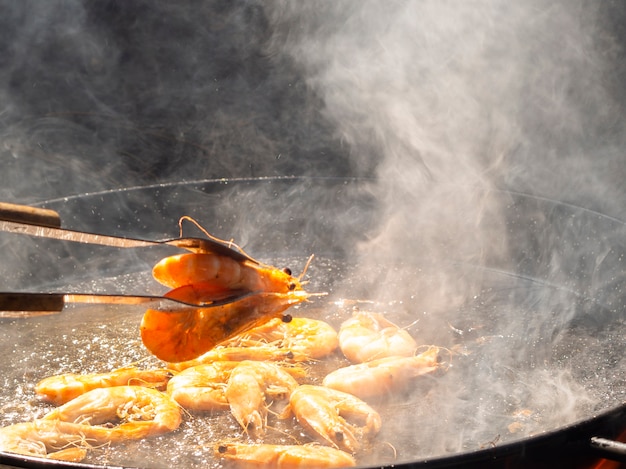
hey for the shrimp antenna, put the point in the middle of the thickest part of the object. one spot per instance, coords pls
(231, 244)
(306, 266)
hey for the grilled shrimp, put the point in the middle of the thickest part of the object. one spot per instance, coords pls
(284, 456)
(249, 385)
(303, 336)
(134, 412)
(324, 413)
(185, 335)
(262, 353)
(60, 389)
(380, 378)
(368, 336)
(202, 387)
(298, 340)
(219, 274)
(254, 292)
(46, 439)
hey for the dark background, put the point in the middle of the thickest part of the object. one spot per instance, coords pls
(107, 94)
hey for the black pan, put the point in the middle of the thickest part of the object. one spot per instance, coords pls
(529, 302)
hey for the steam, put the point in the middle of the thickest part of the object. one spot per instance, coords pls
(447, 110)
(450, 105)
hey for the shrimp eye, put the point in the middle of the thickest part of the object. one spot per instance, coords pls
(222, 449)
(292, 286)
(287, 317)
(289, 355)
(287, 270)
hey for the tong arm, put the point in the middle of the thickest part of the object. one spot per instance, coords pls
(26, 304)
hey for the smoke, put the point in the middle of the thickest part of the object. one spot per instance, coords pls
(448, 103)
(456, 107)
(142, 92)
(446, 110)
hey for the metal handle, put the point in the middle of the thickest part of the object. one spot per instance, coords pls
(609, 449)
(31, 215)
(28, 304)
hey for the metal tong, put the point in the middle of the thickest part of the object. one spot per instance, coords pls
(46, 223)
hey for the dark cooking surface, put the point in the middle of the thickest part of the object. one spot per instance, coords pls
(528, 354)
(509, 409)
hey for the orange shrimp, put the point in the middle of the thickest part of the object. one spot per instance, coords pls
(226, 269)
(219, 274)
(298, 340)
(261, 352)
(202, 387)
(383, 377)
(245, 291)
(368, 336)
(120, 413)
(185, 335)
(63, 441)
(323, 412)
(60, 389)
(284, 456)
(303, 336)
(249, 385)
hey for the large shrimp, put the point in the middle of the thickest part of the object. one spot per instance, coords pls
(298, 340)
(284, 456)
(262, 352)
(383, 377)
(185, 335)
(324, 413)
(368, 336)
(45, 439)
(227, 269)
(251, 290)
(60, 389)
(303, 336)
(249, 385)
(120, 413)
(202, 387)
(220, 274)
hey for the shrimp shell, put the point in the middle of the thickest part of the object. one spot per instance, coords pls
(222, 273)
(384, 377)
(284, 456)
(135, 412)
(323, 412)
(202, 387)
(45, 438)
(368, 336)
(249, 385)
(60, 389)
(185, 335)
(298, 340)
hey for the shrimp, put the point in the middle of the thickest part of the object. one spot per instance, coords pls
(304, 336)
(219, 274)
(367, 336)
(323, 412)
(263, 352)
(249, 385)
(185, 335)
(45, 439)
(202, 387)
(284, 456)
(60, 389)
(298, 340)
(380, 378)
(135, 412)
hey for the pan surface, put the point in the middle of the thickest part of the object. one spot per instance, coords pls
(534, 331)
